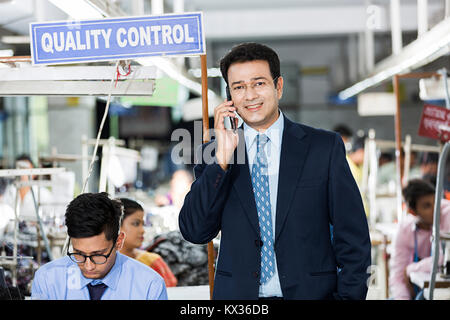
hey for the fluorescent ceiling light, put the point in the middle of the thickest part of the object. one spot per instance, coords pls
(376, 104)
(79, 9)
(16, 39)
(6, 53)
(430, 46)
(212, 72)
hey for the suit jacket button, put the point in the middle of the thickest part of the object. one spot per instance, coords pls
(255, 274)
(258, 243)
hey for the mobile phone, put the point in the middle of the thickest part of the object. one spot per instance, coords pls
(229, 121)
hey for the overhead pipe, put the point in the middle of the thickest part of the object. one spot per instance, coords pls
(422, 17)
(361, 55)
(369, 37)
(178, 6)
(396, 29)
(137, 7)
(370, 50)
(157, 7)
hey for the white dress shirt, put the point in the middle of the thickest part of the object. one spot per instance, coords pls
(273, 151)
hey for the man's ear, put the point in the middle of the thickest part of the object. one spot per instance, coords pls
(120, 240)
(280, 87)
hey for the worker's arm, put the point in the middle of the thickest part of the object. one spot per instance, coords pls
(401, 258)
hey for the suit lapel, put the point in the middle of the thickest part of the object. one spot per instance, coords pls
(242, 182)
(294, 150)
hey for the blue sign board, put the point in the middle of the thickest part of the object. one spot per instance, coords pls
(117, 38)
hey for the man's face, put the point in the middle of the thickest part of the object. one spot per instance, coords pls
(96, 245)
(254, 93)
(424, 210)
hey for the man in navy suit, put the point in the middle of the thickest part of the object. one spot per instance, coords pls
(282, 195)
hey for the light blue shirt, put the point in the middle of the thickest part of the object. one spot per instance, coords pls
(128, 279)
(273, 151)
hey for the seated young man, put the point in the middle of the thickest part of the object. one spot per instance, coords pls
(94, 269)
(412, 245)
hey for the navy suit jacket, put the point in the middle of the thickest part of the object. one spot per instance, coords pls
(316, 190)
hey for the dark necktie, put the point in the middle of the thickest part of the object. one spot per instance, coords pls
(96, 291)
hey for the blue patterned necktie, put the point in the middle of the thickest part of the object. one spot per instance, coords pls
(260, 182)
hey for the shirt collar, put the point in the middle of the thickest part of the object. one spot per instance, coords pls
(274, 133)
(112, 277)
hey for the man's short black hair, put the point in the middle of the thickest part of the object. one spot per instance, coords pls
(343, 130)
(25, 157)
(90, 214)
(416, 189)
(130, 207)
(250, 51)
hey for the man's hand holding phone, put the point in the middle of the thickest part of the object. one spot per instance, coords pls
(229, 121)
(227, 140)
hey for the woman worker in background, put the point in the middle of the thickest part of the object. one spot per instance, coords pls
(133, 226)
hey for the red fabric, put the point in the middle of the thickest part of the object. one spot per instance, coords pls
(163, 269)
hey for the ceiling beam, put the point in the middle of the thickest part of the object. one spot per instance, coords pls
(305, 21)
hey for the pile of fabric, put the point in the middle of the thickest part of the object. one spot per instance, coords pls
(188, 262)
